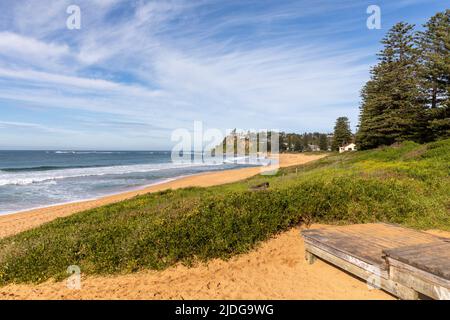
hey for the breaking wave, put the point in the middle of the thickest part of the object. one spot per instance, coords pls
(26, 176)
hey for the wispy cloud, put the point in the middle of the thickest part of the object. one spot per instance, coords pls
(14, 44)
(145, 67)
(34, 126)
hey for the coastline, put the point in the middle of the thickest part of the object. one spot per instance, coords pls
(94, 198)
(276, 269)
(13, 223)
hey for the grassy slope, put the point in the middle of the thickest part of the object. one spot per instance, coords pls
(407, 185)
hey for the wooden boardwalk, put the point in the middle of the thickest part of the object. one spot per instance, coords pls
(401, 261)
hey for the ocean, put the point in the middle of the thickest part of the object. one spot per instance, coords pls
(34, 179)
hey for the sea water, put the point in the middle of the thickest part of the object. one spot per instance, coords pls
(33, 179)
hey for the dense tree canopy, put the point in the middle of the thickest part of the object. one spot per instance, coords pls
(434, 45)
(304, 142)
(407, 97)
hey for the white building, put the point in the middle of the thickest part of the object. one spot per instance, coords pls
(313, 147)
(348, 147)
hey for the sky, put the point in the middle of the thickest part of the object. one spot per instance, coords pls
(137, 70)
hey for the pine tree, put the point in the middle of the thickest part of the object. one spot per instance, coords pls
(434, 44)
(323, 142)
(342, 133)
(392, 108)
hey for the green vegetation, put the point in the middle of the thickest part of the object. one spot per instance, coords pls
(407, 184)
(408, 95)
(287, 142)
(294, 142)
(342, 133)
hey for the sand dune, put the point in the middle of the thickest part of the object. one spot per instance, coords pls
(275, 270)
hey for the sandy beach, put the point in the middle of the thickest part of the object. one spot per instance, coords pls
(274, 270)
(17, 222)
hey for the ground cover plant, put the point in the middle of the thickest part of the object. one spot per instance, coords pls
(406, 184)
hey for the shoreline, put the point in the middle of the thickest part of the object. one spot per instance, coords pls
(94, 198)
(273, 269)
(16, 222)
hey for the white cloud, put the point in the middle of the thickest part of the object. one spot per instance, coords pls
(171, 62)
(34, 126)
(49, 78)
(13, 44)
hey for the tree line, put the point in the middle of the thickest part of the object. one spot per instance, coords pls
(243, 142)
(408, 94)
(406, 98)
(308, 141)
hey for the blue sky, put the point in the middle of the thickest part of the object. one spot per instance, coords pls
(136, 70)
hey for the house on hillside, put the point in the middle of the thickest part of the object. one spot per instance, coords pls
(313, 147)
(348, 147)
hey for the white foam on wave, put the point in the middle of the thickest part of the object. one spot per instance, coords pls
(99, 196)
(26, 178)
(103, 152)
(247, 160)
(87, 152)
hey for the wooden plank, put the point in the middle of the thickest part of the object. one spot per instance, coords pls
(433, 257)
(366, 242)
(427, 276)
(418, 261)
(361, 263)
(418, 280)
(395, 288)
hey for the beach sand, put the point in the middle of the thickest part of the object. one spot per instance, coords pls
(274, 270)
(14, 223)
